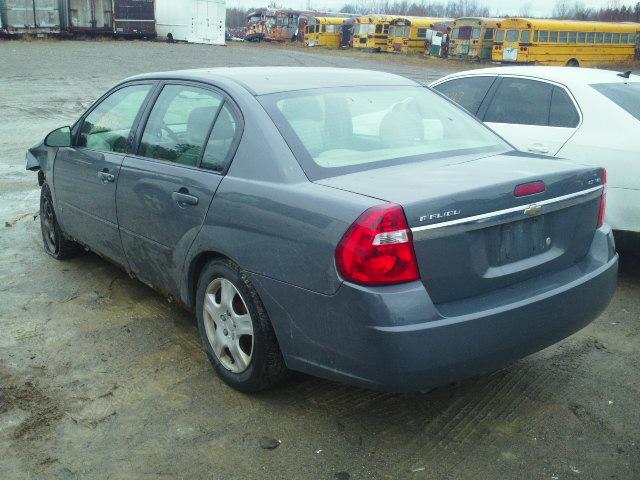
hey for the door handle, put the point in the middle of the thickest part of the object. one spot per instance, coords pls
(106, 176)
(184, 199)
(538, 148)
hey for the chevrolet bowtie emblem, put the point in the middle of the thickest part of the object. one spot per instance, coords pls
(532, 210)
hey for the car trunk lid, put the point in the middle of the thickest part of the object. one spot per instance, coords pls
(471, 234)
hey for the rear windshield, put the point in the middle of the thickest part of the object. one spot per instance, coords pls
(625, 95)
(342, 130)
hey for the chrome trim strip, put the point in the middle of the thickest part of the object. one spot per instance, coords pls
(507, 215)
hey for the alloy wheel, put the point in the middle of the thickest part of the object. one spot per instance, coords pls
(228, 325)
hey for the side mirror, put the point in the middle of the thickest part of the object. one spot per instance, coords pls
(59, 138)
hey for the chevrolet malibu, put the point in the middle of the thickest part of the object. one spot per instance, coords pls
(349, 224)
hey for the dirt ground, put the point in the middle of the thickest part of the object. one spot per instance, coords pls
(100, 377)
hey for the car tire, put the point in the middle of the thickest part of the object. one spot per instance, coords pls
(223, 324)
(54, 240)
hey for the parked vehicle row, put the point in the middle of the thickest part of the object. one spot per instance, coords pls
(349, 224)
(198, 21)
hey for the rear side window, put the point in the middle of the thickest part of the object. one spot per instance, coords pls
(467, 92)
(520, 101)
(625, 95)
(179, 124)
(218, 150)
(563, 111)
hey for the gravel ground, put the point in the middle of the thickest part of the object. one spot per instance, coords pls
(101, 378)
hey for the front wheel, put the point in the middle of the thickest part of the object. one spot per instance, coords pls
(54, 241)
(235, 330)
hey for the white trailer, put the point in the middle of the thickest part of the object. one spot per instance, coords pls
(194, 21)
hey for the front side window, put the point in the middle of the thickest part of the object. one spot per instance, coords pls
(179, 124)
(512, 35)
(108, 126)
(340, 130)
(467, 92)
(488, 34)
(625, 95)
(520, 101)
(475, 34)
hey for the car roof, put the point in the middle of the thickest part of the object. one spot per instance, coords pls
(266, 80)
(563, 75)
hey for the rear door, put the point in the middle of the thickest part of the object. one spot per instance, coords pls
(534, 115)
(85, 175)
(165, 190)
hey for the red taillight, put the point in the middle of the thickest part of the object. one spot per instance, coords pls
(378, 248)
(603, 199)
(529, 189)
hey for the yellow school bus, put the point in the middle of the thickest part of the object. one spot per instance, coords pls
(472, 38)
(323, 31)
(410, 34)
(370, 32)
(560, 42)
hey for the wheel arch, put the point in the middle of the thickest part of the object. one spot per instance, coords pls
(195, 267)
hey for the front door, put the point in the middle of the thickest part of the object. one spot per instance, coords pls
(86, 175)
(534, 116)
(165, 190)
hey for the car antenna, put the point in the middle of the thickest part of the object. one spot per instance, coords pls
(626, 74)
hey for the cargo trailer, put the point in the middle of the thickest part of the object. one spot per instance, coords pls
(134, 18)
(194, 21)
(30, 16)
(88, 16)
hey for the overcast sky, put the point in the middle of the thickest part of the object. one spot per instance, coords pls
(497, 7)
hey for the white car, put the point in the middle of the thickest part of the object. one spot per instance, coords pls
(587, 116)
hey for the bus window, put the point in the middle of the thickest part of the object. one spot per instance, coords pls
(454, 33)
(544, 36)
(422, 33)
(525, 36)
(324, 28)
(591, 37)
(499, 35)
(512, 35)
(488, 34)
(379, 28)
(553, 37)
(607, 38)
(475, 34)
(535, 36)
(582, 37)
(385, 29)
(615, 38)
(572, 37)
(563, 37)
(599, 37)
(624, 38)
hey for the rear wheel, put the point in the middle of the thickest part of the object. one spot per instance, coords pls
(235, 330)
(573, 63)
(54, 241)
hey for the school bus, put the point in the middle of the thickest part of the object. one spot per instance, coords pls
(472, 38)
(560, 42)
(370, 32)
(323, 31)
(410, 34)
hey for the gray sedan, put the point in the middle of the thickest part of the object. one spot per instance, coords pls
(349, 224)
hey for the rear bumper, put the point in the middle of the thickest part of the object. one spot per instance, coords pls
(395, 338)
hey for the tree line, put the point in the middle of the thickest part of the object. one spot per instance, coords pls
(563, 9)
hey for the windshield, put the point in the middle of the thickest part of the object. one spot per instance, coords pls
(625, 95)
(339, 130)
(363, 28)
